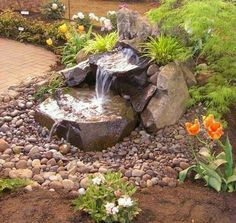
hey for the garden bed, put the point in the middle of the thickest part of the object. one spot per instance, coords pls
(159, 205)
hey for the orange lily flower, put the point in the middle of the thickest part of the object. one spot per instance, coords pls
(215, 130)
(193, 128)
(208, 121)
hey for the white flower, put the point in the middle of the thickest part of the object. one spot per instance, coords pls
(107, 24)
(54, 6)
(74, 17)
(115, 210)
(64, 7)
(82, 191)
(111, 209)
(97, 180)
(125, 201)
(102, 19)
(111, 13)
(80, 15)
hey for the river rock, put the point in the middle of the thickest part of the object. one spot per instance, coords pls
(21, 173)
(3, 145)
(169, 103)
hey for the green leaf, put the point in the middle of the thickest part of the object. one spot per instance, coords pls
(221, 156)
(229, 158)
(183, 173)
(231, 179)
(215, 183)
(210, 172)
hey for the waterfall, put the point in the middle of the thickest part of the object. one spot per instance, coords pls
(118, 62)
(103, 82)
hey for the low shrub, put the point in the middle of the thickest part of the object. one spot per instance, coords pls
(101, 43)
(217, 170)
(165, 49)
(54, 9)
(108, 199)
(11, 184)
(15, 26)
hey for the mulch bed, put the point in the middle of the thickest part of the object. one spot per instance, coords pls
(188, 203)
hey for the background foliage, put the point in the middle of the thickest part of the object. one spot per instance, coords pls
(208, 27)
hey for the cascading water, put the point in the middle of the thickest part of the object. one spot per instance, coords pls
(122, 60)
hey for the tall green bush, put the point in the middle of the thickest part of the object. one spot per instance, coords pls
(210, 27)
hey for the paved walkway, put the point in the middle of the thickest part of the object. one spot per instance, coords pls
(19, 61)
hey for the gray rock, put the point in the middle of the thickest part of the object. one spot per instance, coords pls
(34, 153)
(152, 69)
(169, 104)
(19, 122)
(137, 173)
(131, 26)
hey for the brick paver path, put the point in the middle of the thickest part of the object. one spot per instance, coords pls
(18, 61)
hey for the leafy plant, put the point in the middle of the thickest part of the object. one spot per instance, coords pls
(108, 199)
(55, 82)
(54, 9)
(217, 170)
(11, 184)
(210, 29)
(15, 26)
(75, 43)
(101, 43)
(165, 49)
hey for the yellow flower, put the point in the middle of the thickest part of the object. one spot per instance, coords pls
(81, 29)
(49, 42)
(63, 28)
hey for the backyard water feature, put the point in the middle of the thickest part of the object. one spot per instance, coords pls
(93, 120)
(138, 89)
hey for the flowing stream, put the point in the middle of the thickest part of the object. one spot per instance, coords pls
(119, 62)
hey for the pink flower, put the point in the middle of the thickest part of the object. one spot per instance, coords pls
(123, 6)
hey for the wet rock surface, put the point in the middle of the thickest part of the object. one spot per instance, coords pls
(144, 159)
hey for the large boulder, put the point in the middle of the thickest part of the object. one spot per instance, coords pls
(83, 122)
(132, 28)
(169, 102)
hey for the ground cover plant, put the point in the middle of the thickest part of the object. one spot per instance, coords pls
(208, 27)
(15, 26)
(216, 169)
(11, 184)
(108, 199)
